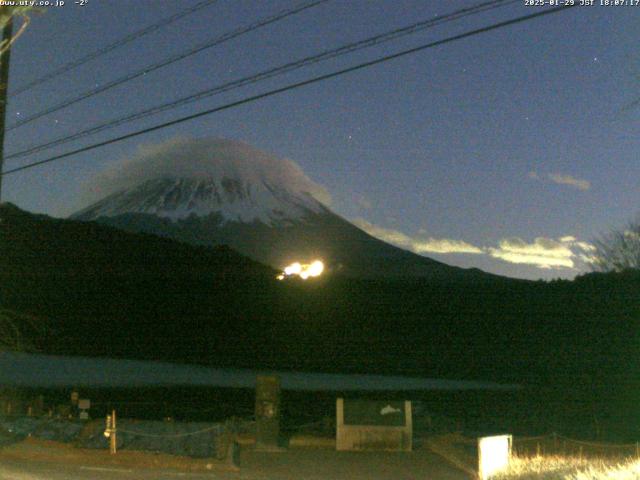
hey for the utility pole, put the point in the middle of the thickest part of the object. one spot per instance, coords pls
(7, 31)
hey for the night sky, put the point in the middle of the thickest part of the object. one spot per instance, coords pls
(508, 151)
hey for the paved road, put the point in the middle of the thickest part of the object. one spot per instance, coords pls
(26, 470)
(319, 464)
(302, 464)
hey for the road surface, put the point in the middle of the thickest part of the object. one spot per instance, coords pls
(36, 470)
(292, 464)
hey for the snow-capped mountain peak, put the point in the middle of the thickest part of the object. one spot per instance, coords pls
(201, 178)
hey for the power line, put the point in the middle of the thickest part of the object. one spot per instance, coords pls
(168, 61)
(108, 48)
(292, 86)
(270, 73)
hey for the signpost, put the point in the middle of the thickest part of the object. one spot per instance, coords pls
(84, 404)
(373, 425)
(494, 454)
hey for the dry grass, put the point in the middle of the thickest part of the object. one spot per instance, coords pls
(556, 467)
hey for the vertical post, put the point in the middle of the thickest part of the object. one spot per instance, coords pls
(407, 435)
(341, 436)
(7, 31)
(75, 396)
(112, 437)
(267, 413)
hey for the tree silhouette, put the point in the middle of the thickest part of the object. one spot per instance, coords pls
(618, 250)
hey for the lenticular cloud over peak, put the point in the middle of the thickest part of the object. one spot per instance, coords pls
(204, 159)
(229, 180)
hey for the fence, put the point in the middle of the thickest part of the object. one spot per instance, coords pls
(193, 439)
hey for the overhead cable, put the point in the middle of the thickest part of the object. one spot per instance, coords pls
(292, 86)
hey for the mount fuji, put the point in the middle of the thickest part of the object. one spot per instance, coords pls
(210, 192)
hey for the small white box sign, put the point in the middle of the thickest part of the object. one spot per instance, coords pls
(494, 454)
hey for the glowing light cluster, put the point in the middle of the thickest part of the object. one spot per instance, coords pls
(302, 270)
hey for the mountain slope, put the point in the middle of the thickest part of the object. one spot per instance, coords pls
(114, 293)
(264, 207)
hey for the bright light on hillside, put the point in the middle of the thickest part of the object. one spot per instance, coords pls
(293, 269)
(303, 270)
(316, 268)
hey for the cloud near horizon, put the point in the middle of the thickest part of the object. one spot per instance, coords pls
(570, 181)
(544, 253)
(562, 179)
(416, 244)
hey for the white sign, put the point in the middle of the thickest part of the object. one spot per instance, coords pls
(494, 454)
(389, 409)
